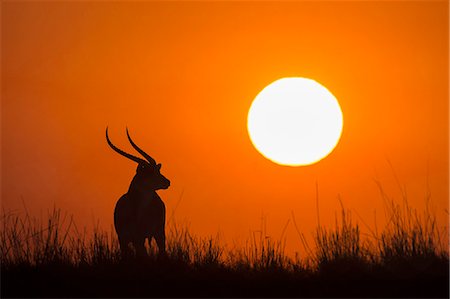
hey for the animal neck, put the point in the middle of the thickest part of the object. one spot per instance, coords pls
(138, 189)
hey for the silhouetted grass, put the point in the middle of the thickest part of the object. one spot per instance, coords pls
(340, 252)
(53, 258)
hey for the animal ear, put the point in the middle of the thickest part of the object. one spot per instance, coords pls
(158, 166)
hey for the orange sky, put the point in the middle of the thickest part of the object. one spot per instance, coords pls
(182, 76)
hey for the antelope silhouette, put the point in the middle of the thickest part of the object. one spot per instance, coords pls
(140, 213)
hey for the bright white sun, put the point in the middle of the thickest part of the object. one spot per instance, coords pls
(295, 121)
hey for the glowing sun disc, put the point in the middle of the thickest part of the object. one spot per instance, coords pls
(295, 121)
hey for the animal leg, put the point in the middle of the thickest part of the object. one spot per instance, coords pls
(161, 242)
(149, 238)
(124, 250)
(139, 245)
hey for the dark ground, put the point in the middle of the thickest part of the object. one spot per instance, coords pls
(142, 280)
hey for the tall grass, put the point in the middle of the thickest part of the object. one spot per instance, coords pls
(190, 249)
(26, 240)
(408, 237)
(261, 252)
(409, 244)
(408, 232)
(340, 250)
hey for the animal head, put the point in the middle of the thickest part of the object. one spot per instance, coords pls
(148, 172)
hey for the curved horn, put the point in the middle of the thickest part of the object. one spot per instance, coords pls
(121, 152)
(146, 156)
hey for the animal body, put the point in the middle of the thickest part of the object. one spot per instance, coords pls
(140, 213)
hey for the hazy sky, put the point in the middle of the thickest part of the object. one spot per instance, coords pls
(182, 76)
